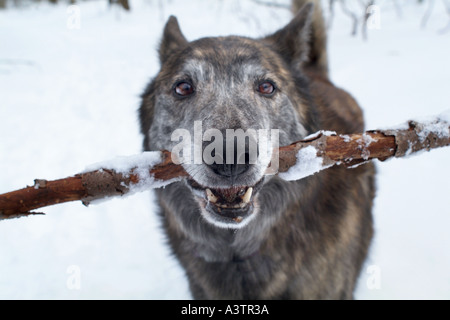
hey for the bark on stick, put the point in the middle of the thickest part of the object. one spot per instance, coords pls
(329, 149)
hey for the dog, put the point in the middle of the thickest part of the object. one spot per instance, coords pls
(237, 232)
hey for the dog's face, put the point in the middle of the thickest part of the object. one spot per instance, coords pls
(214, 87)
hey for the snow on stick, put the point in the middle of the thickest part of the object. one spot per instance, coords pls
(150, 170)
(326, 149)
(117, 177)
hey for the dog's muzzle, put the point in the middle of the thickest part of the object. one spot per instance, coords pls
(227, 207)
(227, 191)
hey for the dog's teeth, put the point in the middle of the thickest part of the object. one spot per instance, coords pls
(246, 197)
(211, 197)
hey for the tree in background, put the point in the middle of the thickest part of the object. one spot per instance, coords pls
(359, 11)
(123, 3)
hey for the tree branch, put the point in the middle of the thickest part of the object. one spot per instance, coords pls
(296, 161)
(352, 15)
(87, 187)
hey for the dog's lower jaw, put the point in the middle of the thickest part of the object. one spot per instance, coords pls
(237, 219)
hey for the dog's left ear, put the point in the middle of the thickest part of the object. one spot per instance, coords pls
(172, 40)
(292, 42)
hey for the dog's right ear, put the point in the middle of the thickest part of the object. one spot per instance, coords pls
(172, 40)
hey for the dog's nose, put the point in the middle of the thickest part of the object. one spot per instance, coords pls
(233, 166)
(231, 170)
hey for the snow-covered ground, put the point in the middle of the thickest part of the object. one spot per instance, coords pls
(69, 98)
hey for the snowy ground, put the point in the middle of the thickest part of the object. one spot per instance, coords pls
(69, 98)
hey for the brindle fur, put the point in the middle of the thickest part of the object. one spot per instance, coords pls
(309, 238)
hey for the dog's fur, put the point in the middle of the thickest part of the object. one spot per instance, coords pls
(303, 239)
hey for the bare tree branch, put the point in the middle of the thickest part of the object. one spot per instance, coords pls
(327, 149)
(87, 187)
(367, 14)
(331, 4)
(272, 4)
(352, 15)
(447, 9)
(427, 13)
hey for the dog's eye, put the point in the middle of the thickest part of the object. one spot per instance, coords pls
(184, 89)
(266, 88)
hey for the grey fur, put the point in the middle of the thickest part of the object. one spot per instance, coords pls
(297, 240)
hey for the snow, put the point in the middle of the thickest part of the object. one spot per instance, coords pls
(139, 164)
(69, 97)
(319, 133)
(434, 128)
(124, 164)
(438, 127)
(445, 116)
(308, 163)
(438, 124)
(346, 137)
(364, 143)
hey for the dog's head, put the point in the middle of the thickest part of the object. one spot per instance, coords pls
(219, 100)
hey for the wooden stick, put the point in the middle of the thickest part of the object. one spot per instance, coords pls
(87, 187)
(354, 149)
(330, 148)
